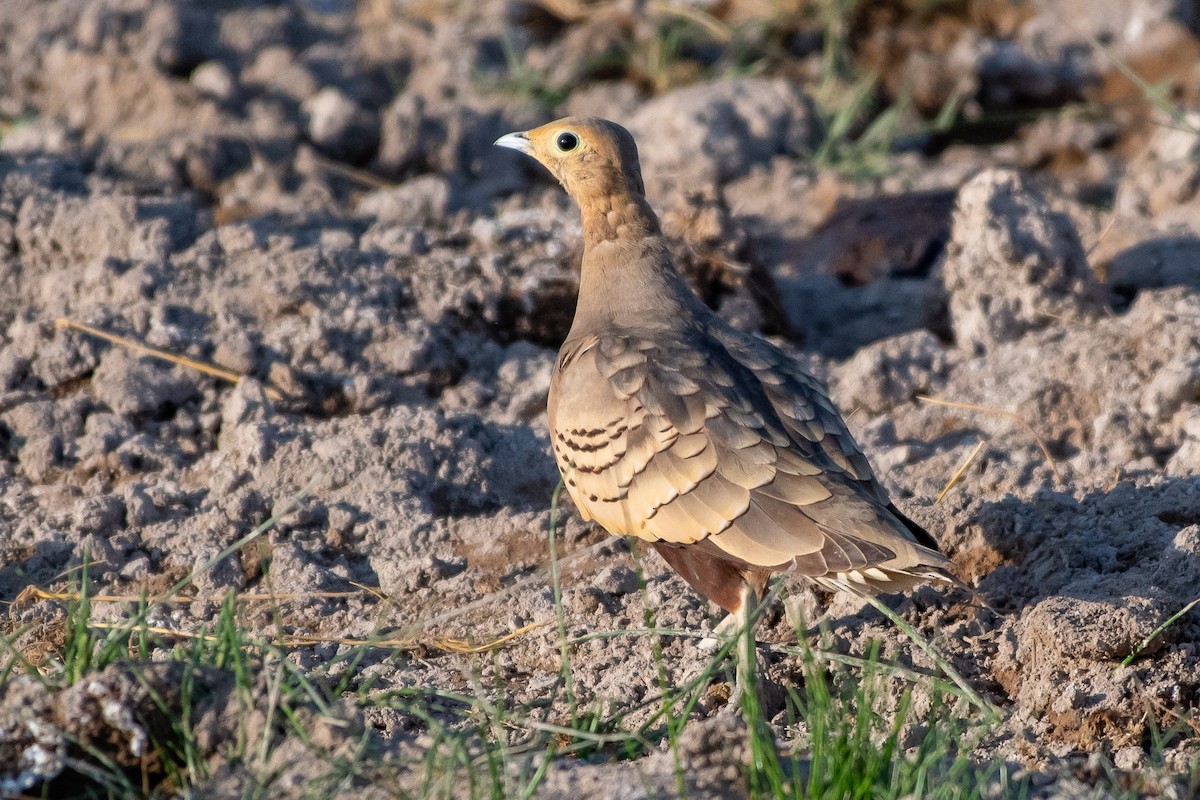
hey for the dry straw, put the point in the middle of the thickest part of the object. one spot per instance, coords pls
(163, 355)
(1003, 413)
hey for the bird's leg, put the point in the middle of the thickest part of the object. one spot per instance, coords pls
(746, 661)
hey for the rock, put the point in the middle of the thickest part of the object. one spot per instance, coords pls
(240, 351)
(39, 456)
(35, 749)
(1100, 630)
(1166, 173)
(616, 580)
(341, 127)
(421, 201)
(247, 403)
(113, 715)
(92, 229)
(216, 80)
(419, 135)
(341, 519)
(1012, 266)
(178, 37)
(1129, 758)
(1116, 22)
(406, 134)
(715, 132)
(216, 578)
(42, 137)
(99, 515)
(103, 432)
(1188, 540)
(1186, 458)
(140, 508)
(1017, 73)
(135, 387)
(29, 420)
(1176, 383)
(277, 68)
(13, 369)
(891, 372)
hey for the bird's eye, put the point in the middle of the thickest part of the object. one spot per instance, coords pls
(567, 142)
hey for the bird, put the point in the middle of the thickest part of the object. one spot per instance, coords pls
(714, 445)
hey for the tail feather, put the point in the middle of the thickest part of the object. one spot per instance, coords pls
(920, 535)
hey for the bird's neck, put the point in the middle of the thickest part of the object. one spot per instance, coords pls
(618, 215)
(628, 274)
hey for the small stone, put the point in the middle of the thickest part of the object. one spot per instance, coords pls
(1186, 459)
(216, 80)
(238, 352)
(226, 479)
(29, 420)
(1188, 539)
(340, 127)
(99, 515)
(616, 580)
(178, 36)
(252, 442)
(276, 67)
(103, 432)
(140, 509)
(802, 608)
(1166, 174)
(137, 569)
(225, 574)
(13, 369)
(39, 456)
(135, 387)
(336, 240)
(63, 359)
(1130, 758)
(248, 402)
(284, 378)
(1176, 383)
(406, 134)
(341, 518)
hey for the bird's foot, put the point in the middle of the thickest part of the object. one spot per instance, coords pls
(734, 704)
(721, 634)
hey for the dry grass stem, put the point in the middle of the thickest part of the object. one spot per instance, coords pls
(574, 12)
(32, 594)
(958, 473)
(937, 401)
(146, 350)
(444, 643)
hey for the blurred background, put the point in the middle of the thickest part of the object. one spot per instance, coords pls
(389, 107)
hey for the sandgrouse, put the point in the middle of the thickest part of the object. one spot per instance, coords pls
(711, 444)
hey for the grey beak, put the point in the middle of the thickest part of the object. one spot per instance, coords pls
(516, 141)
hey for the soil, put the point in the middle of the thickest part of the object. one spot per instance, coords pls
(305, 193)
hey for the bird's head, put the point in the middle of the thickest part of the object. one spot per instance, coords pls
(592, 158)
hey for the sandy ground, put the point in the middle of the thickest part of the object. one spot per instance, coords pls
(305, 193)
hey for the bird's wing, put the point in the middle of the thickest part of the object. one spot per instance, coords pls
(681, 437)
